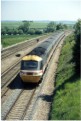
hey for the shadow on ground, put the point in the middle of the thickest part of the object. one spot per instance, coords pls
(17, 83)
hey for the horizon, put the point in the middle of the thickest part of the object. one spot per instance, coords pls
(44, 20)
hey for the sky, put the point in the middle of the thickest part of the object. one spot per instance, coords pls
(54, 10)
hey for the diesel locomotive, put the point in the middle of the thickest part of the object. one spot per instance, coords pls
(33, 65)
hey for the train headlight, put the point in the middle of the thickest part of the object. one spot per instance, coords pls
(22, 73)
(38, 72)
(35, 73)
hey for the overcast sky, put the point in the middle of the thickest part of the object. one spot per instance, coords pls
(40, 9)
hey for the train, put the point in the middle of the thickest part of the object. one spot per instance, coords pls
(34, 64)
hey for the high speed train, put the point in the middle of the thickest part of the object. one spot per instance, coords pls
(33, 65)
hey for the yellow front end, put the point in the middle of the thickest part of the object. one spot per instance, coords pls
(33, 76)
(28, 78)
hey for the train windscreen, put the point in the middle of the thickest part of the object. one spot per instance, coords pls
(29, 65)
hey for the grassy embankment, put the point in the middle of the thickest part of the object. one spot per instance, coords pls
(66, 98)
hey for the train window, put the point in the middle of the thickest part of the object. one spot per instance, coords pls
(41, 65)
(29, 65)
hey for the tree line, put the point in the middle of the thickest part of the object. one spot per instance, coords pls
(76, 52)
(25, 29)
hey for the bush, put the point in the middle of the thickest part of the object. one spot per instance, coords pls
(20, 31)
(3, 31)
(31, 31)
(24, 27)
(38, 32)
(10, 32)
(15, 31)
(51, 27)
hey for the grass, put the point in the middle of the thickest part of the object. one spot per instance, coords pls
(11, 25)
(66, 97)
(8, 40)
(38, 25)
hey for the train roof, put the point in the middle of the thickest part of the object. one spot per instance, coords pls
(46, 45)
(41, 49)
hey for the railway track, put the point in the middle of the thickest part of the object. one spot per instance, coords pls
(10, 73)
(15, 57)
(6, 76)
(20, 104)
(5, 53)
(15, 49)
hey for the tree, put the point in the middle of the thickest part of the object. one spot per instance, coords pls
(24, 27)
(3, 31)
(38, 32)
(15, 31)
(59, 26)
(77, 28)
(10, 31)
(51, 27)
(65, 26)
(31, 31)
(77, 46)
(20, 31)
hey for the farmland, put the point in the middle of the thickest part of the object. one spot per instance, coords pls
(8, 40)
(16, 24)
(34, 24)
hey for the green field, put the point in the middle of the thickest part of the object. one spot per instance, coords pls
(16, 24)
(13, 39)
(8, 40)
(66, 97)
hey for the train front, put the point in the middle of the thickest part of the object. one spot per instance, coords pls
(31, 68)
